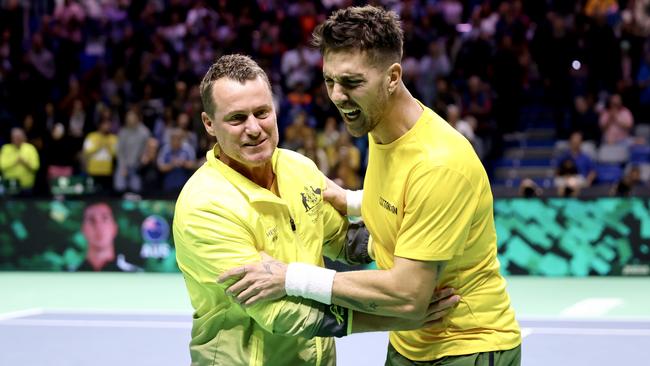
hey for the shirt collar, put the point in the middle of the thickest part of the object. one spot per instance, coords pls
(252, 191)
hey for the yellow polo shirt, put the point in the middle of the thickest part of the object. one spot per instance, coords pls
(427, 197)
(223, 220)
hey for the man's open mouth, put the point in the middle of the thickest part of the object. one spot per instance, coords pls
(351, 113)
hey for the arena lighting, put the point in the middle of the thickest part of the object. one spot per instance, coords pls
(463, 27)
(576, 65)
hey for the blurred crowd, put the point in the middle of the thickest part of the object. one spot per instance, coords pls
(107, 90)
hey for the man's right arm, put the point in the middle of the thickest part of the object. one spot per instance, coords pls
(210, 243)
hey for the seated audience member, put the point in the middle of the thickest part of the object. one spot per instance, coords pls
(575, 170)
(529, 189)
(567, 180)
(625, 186)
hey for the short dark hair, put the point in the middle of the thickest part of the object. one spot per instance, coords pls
(236, 67)
(371, 29)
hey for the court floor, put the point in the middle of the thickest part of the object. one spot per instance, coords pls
(145, 319)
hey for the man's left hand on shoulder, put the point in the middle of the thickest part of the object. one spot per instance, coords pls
(255, 282)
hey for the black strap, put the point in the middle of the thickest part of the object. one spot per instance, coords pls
(335, 321)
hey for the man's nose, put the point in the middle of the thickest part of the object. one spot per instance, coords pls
(338, 94)
(253, 127)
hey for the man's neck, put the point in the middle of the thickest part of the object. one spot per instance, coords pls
(401, 113)
(99, 257)
(262, 175)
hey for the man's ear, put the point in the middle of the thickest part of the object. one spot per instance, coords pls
(394, 77)
(207, 123)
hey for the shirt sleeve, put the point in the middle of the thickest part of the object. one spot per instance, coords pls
(439, 207)
(7, 159)
(335, 232)
(32, 158)
(210, 243)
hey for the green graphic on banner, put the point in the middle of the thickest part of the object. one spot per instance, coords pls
(571, 237)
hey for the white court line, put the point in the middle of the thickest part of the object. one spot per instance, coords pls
(96, 323)
(585, 319)
(21, 314)
(87, 311)
(594, 306)
(525, 332)
(590, 331)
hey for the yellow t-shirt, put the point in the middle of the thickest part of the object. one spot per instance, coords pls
(99, 150)
(427, 197)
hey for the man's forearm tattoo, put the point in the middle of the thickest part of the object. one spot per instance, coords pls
(371, 308)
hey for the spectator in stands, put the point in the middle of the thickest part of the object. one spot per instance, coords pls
(184, 122)
(595, 8)
(567, 180)
(59, 154)
(118, 90)
(164, 125)
(42, 62)
(19, 161)
(626, 185)
(431, 66)
(345, 176)
(328, 137)
(152, 56)
(616, 121)
(529, 189)
(643, 83)
(103, 112)
(151, 107)
(585, 119)
(296, 133)
(33, 132)
(444, 96)
(149, 168)
(476, 100)
(316, 153)
(76, 125)
(300, 65)
(98, 153)
(131, 143)
(50, 118)
(507, 79)
(575, 169)
(347, 152)
(466, 126)
(176, 161)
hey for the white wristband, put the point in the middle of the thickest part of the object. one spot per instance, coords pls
(353, 199)
(309, 281)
